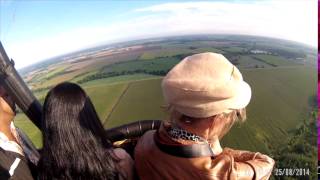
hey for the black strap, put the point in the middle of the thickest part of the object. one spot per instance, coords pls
(185, 151)
(22, 171)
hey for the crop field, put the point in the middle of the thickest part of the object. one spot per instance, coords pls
(142, 100)
(29, 128)
(72, 74)
(162, 53)
(175, 50)
(279, 104)
(235, 49)
(54, 72)
(83, 75)
(119, 79)
(150, 65)
(274, 60)
(73, 71)
(249, 62)
(207, 49)
(104, 97)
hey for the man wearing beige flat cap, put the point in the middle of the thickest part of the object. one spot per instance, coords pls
(206, 94)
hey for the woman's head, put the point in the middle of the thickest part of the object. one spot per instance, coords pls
(69, 111)
(204, 85)
(74, 142)
(208, 90)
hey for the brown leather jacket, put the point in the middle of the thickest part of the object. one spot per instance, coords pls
(153, 164)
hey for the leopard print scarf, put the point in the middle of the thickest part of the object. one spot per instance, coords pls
(178, 133)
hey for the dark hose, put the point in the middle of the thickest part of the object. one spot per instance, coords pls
(18, 90)
(132, 130)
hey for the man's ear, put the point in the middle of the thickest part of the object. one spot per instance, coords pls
(2, 91)
(1, 103)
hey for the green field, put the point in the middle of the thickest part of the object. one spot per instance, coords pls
(119, 79)
(29, 128)
(235, 49)
(157, 64)
(177, 49)
(104, 97)
(207, 49)
(249, 62)
(162, 53)
(274, 60)
(280, 102)
(54, 72)
(142, 100)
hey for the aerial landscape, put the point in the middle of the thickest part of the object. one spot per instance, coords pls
(120, 51)
(124, 82)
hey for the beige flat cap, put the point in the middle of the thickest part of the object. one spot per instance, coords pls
(206, 84)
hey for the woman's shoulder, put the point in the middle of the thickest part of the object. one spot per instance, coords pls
(124, 163)
(121, 154)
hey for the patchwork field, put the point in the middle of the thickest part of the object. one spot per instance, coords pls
(278, 105)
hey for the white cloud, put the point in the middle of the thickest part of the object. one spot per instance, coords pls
(293, 20)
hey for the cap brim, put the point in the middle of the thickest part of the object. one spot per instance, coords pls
(243, 97)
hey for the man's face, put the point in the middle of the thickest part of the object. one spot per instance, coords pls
(6, 102)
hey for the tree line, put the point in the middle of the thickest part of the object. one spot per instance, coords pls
(299, 153)
(102, 75)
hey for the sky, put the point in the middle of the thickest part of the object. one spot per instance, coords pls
(35, 30)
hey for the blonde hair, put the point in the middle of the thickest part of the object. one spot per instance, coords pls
(221, 123)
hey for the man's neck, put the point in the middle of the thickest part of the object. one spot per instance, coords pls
(5, 127)
(215, 145)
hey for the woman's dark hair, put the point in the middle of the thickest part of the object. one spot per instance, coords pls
(74, 142)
